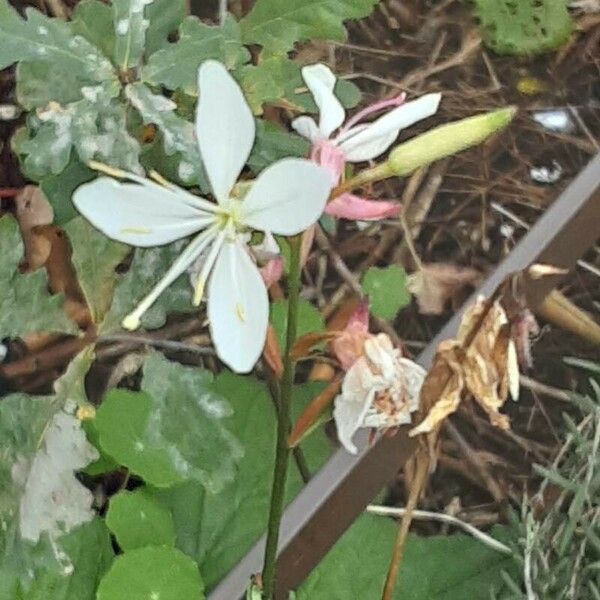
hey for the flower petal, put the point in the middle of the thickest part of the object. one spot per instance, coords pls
(307, 128)
(224, 126)
(287, 197)
(370, 141)
(349, 206)
(238, 307)
(321, 81)
(140, 214)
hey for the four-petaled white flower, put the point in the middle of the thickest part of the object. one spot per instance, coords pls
(380, 390)
(355, 141)
(286, 198)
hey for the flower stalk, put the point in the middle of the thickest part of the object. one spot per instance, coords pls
(283, 423)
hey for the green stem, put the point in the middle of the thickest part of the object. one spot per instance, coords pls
(283, 423)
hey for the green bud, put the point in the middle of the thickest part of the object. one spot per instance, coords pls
(447, 140)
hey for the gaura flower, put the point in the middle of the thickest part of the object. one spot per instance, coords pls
(286, 198)
(380, 389)
(355, 141)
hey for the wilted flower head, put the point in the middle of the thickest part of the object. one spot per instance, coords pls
(380, 389)
(286, 198)
(355, 141)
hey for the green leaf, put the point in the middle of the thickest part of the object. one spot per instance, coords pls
(136, 520)
(173, 430)
(51, 41)
(452, 567)
(346, 92)
(25, 305)
(273, 143)
(278, 24)
(178, 134)
(147, 267)
(309, 319)
(524, 27)
(68, 570)
(42, 446)
(152, 573)
(217, 529)
(93, 20)
(95, 258)
(386, 288)
(130, 32)
(59, 189)
(96, 127)
(164, 17)
(176, 66)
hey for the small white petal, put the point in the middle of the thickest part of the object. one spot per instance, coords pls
(375, 138)
(320, 81)
(287, 197)
(140, 214)
(224, 126)
(307, 128)
(238, 308)
(512, 367)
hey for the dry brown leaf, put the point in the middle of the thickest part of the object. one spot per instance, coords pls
(272, 352)
(33, 210)
(438, 283)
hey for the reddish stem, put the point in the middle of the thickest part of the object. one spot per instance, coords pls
(9, 192)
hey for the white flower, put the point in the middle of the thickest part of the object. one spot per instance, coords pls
(286, 198)
(356, 141)
(380, 390)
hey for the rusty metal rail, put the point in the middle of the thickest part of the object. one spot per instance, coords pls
(341, 490)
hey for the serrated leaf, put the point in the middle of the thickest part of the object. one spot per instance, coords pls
(130, 32)
(136, 520)
(96, 127)
(278, 24)
(164, 16)
(147, 267)
(59, 189)
(93, 20)
(453, 567)
(309, 319)
(41, 445)
(176, 66)
(25, 304)
(51, 41)
(95, 258)
(387, 291)
(152, 573)
(525, 27)
(273, 143)
(173, 430)
(217, 529)
(178, 134)
(68, 569)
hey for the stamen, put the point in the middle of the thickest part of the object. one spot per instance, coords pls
(106, 169)
(377, 106)
(159, 179)
(185, 259)
(207, 268)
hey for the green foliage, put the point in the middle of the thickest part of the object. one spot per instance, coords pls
(130, 32)
(35, 572)
(309, 319)
(93, 20)
(152, 572)
(25, 304)
(278, 24)
(524, 27)
(137, 520)
(176, 65)
(452, 567)
(164, 17)
(147, 266)
(173, 430)
(217, 529)
(273, 143)
(386, 288)
(95, 258)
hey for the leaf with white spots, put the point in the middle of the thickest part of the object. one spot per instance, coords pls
(152, 573)
(178, 134)
(136, 519)
(173, 430)
(130, 32)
